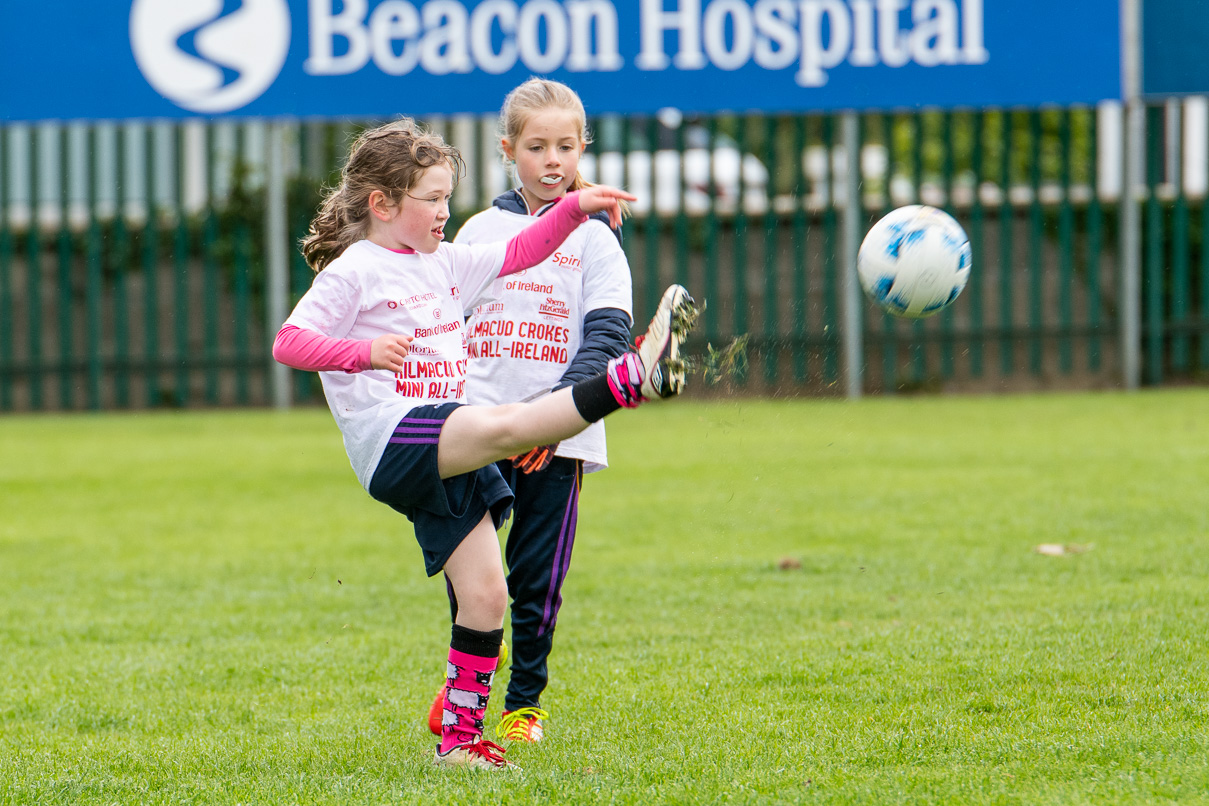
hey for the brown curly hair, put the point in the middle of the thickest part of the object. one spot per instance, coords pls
(391, 158)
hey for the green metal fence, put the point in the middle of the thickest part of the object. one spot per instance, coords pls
(132, 268)
(118, 304)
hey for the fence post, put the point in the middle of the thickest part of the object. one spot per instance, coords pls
(276, 249)
(1131, 221)
(851, 335)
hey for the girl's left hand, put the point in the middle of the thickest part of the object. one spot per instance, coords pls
(389, 351)
(595, 198)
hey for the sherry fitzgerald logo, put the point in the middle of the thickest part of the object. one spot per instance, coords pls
(210, 56)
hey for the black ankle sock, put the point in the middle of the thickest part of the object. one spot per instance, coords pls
(594, 399)
(476, 642)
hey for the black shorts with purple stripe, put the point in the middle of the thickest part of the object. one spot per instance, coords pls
(443, 511)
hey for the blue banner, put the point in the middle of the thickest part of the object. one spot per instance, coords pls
(79, 59)
(1175, 37)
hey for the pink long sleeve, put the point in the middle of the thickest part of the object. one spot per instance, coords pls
(538, 241)
(305, 349)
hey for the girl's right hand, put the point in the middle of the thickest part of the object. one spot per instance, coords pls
(595, 198)
(389, 351)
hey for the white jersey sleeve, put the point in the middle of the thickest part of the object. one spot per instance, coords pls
(329, 306)
(606, 276)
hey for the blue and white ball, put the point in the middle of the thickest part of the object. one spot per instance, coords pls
(914, 261)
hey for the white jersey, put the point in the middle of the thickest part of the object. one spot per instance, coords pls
(523, 342)
(369, 291)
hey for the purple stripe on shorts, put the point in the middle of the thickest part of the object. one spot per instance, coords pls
(414, 441)
(418, 430)
(562, 561)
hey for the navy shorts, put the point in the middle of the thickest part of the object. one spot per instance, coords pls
(443, 511)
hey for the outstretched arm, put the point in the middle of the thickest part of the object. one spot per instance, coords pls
(538, 241)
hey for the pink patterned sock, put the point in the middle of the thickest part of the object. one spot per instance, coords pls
(467, 688)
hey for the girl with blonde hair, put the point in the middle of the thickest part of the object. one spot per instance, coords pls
(564, 323)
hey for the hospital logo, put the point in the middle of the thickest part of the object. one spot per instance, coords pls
(210, 56)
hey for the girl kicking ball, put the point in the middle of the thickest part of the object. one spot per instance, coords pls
(383, 324)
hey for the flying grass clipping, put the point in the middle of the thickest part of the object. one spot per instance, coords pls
(715, 365)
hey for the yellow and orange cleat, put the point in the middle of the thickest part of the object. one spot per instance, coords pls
(522, 725)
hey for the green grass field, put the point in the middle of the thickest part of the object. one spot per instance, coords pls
(206, 608)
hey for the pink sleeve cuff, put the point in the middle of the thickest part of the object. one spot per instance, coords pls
(538, 241)
(305, 349)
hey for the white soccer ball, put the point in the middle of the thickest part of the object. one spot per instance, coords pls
(914, 261)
